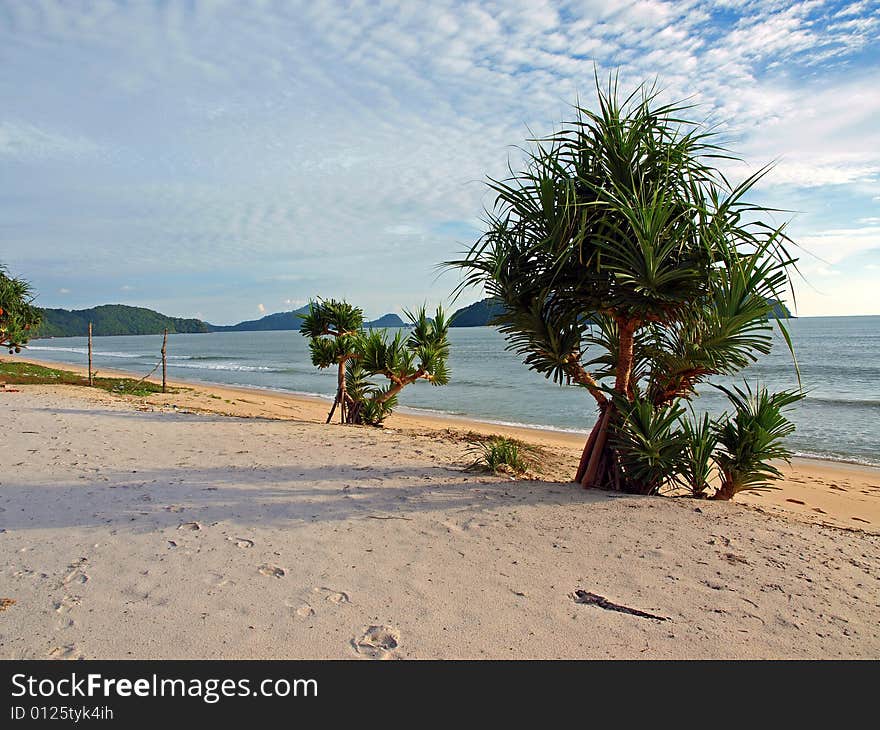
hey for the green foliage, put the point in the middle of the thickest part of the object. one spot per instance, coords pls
(751, 438)
(331, 318)
(697, 465)
(499, 453)
(648, 444)
(113, 319)
(19, 319)
(28, 374)
(374, 409)
(368, 406)
(381, 355)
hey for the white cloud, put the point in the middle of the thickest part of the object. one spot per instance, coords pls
(27, 141)
(272, 141)
(833, 246)
(261, 309)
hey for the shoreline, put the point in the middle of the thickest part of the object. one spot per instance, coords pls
(819, 491)
(405, 413)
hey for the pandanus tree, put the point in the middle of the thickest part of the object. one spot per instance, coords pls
(333, 328)
(337, 338)
(18, 316)
(631, 267)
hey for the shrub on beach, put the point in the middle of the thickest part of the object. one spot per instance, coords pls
(751, 438)
(629, 266)
(499, 453)
(18, 316)
(337, 337)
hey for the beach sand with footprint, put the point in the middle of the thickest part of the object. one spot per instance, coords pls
(269, 558)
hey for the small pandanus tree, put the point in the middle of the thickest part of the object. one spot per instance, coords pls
(337, 338)
(751, 439)
(629, 266)
(333, 328)
(18, 316)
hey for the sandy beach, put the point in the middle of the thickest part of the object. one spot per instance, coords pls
(232, 523)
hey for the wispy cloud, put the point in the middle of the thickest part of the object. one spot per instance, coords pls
(29, 142)
(276, 151)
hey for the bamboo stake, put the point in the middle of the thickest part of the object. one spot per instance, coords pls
(91, 379)
(164, 360)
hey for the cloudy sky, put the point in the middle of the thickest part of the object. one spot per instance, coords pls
(221, 159)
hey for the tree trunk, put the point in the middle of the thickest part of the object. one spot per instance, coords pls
(588, 447)
(597, 450)
(341, 391)
(598, 464)
(391, 392)
(623, 384)
(333, 407)
(726, 490)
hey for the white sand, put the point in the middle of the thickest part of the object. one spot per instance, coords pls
(156, 534)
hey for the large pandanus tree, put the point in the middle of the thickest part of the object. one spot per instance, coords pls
(18, 316)
(628, 265)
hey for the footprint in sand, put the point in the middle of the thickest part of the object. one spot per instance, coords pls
(377, 642)
(217, 580)
(337, 597)
(69, 651)
(66, 603)
(76, 574)
(273, 571)
(241, 542)
(301, 611)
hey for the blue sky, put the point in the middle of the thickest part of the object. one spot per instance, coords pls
(221, 159)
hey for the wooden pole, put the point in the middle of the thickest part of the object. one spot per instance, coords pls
(91, 379)
(164, 360)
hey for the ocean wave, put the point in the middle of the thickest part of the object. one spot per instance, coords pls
(232, 367)
(851, 402)
(825, 456)
(198, 358)
(98, 353)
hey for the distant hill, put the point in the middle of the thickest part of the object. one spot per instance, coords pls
(478, 314)
(387, 320)
(121, 319)
(113, 319)
(293, 321)
(278, 321)
(780, 311)
(482, 313)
